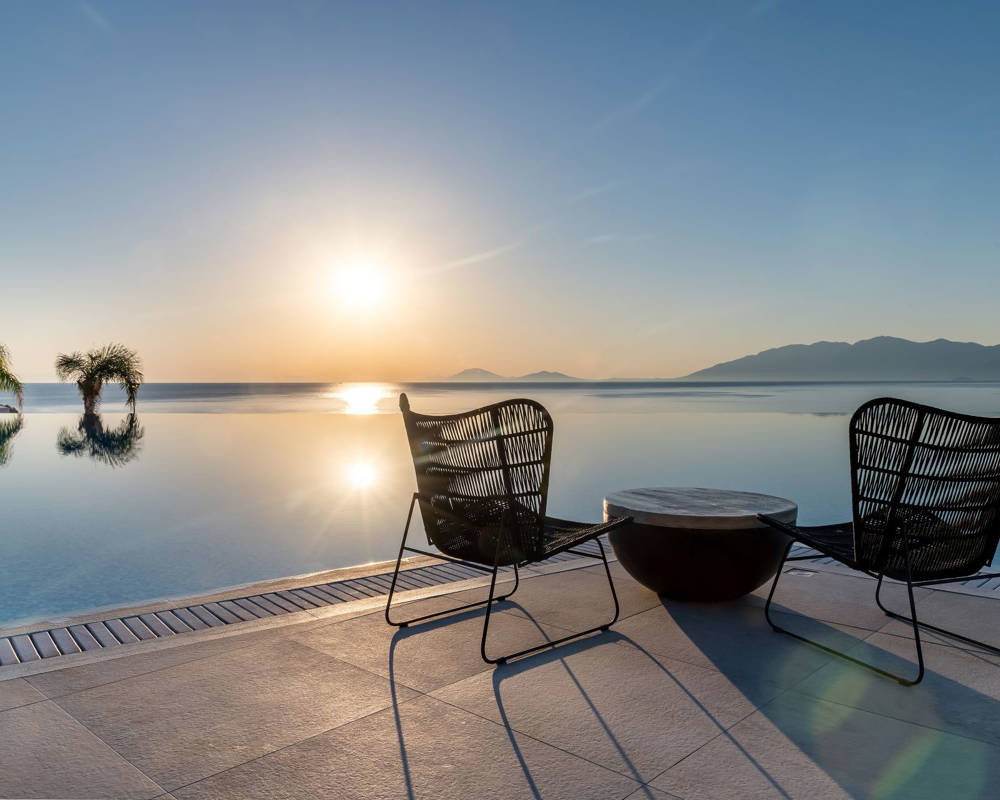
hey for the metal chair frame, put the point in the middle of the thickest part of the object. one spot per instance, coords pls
(512, 545)
(895, 527)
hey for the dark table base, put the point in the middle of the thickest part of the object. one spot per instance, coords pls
(698, 564)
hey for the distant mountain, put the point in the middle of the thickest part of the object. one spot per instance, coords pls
(545, 375)
(884, 358)
(477, 374)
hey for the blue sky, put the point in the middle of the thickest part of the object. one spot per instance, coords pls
(606, 189)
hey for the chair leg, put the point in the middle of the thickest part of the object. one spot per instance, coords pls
(774, 585)
(611, 583)
(547, 645)
(903, 681)
(928, 626)
(399, 560)
(517, 582)
(395, 575)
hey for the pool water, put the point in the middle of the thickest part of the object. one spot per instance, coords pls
(204, 490)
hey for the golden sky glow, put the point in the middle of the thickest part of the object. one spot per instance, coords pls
(286, 197)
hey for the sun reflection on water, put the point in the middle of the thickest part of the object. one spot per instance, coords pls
(360, 398)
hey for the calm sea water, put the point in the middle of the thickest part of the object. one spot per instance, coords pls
(222, 484)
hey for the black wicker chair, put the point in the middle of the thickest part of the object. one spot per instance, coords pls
(925, 485)
(482, 483)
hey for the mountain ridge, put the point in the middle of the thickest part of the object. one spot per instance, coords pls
(881, 358)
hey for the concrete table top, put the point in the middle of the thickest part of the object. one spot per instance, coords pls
(691, 507)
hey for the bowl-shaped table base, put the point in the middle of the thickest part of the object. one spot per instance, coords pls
(699, 564)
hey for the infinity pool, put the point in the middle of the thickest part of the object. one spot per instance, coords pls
(222, 486)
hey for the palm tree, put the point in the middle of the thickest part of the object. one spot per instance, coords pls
(112, 363)
(8, 380)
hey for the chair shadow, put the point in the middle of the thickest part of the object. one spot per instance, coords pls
(507, 671)
(915, 756)
(560, 654)
(401, 635)
(721, 634)
(534, 661)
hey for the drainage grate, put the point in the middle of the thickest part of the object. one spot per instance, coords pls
(54, 642)
(988, 587)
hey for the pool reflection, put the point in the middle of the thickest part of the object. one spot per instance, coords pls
(9, 428)
(115, 446)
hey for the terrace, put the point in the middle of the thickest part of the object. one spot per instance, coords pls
(677, 700)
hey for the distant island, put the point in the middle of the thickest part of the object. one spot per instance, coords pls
(477, 374)
(884, 358)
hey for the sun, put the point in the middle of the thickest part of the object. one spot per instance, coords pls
(360, 285)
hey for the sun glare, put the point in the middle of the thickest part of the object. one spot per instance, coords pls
(360, 285)
(361, 474)
(361, 398)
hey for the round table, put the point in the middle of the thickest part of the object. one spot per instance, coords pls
(698, 544)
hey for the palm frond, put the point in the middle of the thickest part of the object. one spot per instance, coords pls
(68, 365)
(112, 446)
(9, 428)
(8, 380)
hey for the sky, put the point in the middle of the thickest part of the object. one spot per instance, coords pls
(388, 191)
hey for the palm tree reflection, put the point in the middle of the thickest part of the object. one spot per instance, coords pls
(9, 428)
(112, 446)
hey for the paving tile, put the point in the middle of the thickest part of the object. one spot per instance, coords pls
(803, 747)
(829, 597)
(192, 720)
(420, 749)
(579, 599)
(976, 617)
(18, 692)
(45, 753)
(428, 655)
(86, 676)
(960, 692)
(736, 639)
(650, 793)
(632, 595)
(610, 703)
(302, 711)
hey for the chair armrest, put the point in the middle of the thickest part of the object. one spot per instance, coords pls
(615, 522)
(774, 522)
(604, 527)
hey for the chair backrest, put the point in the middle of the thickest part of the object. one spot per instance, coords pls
(931, 477)
(489, 466)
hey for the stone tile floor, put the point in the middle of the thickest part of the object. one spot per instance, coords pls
(677, 700)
